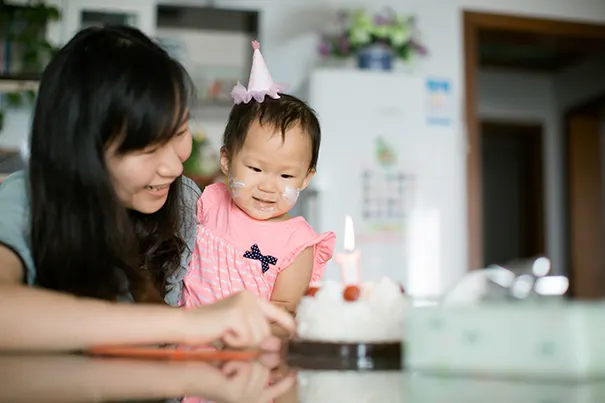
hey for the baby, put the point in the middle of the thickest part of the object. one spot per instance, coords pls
(246, 237)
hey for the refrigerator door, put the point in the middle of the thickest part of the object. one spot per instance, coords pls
(368, 162)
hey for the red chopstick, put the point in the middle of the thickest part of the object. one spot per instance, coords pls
(157, 353)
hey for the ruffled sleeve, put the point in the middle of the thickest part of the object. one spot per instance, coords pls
(323, 249)
(190, 193)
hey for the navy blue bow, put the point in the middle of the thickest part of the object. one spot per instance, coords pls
(254, 253)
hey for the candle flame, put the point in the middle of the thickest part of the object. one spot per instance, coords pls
(349, 234)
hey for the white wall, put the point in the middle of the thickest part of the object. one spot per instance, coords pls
(580, 83)
(289, 40)
(504, 94)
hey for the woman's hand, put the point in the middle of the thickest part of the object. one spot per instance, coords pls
(249, 382)
(241, 320)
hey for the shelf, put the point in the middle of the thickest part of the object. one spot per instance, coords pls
(208, 18)
(18, 83)
(210, 110)
(197, 35)
(211, 103)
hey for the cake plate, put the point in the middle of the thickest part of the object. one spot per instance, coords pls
(345, 356)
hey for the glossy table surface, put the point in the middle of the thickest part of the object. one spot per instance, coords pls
(77, 378)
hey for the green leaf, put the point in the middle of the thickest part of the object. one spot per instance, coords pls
(53, 13)
(31, 96)
(14, 99)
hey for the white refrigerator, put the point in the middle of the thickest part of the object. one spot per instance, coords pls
(387, 141)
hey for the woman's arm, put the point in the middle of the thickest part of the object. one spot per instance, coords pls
(74, 378)
(292, 283)
(35, 319)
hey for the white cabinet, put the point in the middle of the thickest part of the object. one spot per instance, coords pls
(79, 14)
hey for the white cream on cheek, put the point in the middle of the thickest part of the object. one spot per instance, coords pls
(235, 186)
(267, 209)
(290, 195)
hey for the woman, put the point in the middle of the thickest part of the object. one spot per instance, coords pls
(102, 215)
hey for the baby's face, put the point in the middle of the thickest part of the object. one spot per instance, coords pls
(267, 174)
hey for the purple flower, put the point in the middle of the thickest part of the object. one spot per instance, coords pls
(325, 48)
(381, 20)
(420, 49)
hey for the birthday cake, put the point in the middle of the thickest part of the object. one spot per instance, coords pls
(371, 312)
(350, 324)
(343, 327)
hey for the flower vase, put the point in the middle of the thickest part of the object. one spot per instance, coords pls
(375, 57)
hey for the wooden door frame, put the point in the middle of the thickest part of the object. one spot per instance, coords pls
(581, 109)
(472, 23)
(585, 282)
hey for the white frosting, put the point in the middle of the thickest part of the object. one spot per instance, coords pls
(377, 316)
(350, 386)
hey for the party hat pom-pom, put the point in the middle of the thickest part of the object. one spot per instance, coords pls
(240, 94)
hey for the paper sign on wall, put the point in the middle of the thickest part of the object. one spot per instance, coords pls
(439, 102)
(386, 196)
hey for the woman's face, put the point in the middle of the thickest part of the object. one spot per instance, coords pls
(142, 178)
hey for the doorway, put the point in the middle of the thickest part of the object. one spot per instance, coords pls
(511, 42)
(512, 191)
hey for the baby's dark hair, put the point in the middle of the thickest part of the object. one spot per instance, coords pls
(283, 113)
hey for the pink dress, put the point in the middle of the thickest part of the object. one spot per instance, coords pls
(234, 251)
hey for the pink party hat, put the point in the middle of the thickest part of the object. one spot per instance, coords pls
(260, 83)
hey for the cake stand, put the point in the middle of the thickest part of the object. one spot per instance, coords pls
(345, 356)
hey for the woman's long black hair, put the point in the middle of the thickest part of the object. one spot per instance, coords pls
(107, 85)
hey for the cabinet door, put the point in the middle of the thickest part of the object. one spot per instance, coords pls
(80, 14)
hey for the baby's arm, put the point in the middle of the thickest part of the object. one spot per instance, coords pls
(292, 283)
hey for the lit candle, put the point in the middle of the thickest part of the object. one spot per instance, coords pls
(349, 259)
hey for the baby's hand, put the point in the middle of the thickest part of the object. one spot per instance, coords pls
(286, 306)
(241, 320)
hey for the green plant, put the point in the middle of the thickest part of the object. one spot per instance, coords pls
(24, 30)
(359, 29)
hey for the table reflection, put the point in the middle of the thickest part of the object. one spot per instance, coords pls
(79, 378)
(349, 386)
